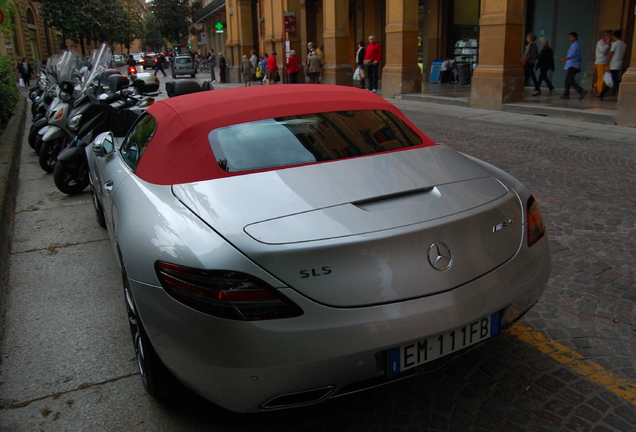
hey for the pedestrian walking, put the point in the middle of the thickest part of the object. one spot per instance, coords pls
(545, 64)
(160, 62)
(25, 70)
(528, 60)
(311, 50)
(572, 66)
(222, 68)
(247, 72)
(372, 58)
(615, 54)
(292, 67)
(600, 63)
(315, 66)
(262, 67)
(360, 63)
(272, 68)
(212, 65)
(254, 61)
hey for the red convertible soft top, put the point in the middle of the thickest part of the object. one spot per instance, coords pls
(179, 151)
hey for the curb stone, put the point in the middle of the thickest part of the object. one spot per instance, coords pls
(10, 144)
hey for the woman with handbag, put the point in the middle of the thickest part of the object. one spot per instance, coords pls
(25, 70)
(272, 68)
(360, 63)
(529, 58)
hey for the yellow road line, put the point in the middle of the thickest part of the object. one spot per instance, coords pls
(576, 362)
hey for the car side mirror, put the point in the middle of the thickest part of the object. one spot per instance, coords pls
(103, 144)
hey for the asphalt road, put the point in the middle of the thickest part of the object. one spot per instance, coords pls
(68, 362)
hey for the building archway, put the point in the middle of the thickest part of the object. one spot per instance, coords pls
(33, 35)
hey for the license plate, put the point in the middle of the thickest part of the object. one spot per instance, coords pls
(417, 353)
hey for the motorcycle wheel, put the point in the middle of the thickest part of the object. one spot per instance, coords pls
(37, 145)
(71, 176)
(48, 154)
(33, 134)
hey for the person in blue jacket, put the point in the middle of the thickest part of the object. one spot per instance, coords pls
(572, 66)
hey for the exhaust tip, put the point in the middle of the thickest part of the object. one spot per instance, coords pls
(306, 397)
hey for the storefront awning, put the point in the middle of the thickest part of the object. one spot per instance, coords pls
(210, 9)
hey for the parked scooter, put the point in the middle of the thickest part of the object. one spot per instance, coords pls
(41, 100)
(115, 110)
(55, 133)
(60, 131)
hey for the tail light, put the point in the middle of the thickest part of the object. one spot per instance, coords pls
(225, 294)
(535, 227)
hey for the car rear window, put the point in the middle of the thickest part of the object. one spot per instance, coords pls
(304, 139)
(182, 60)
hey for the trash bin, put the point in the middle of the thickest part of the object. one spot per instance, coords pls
(436, 71)
(464, 73)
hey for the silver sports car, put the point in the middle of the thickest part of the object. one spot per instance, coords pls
(281, 245)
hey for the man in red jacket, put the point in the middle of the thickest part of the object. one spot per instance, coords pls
(372, 58)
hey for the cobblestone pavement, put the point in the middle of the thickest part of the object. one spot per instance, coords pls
(586, 189)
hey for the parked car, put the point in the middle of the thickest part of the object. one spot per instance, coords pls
(145, 82)
(282, 253)
(137, 56)
(183, 65)
(119, 60)
(149, 61)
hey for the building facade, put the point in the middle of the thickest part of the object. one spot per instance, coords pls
(485, 36)
(33, 38)
(36, 41)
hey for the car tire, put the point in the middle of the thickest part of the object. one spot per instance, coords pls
(156, 378)
(193, 75)
(174, 76)
(99, 209)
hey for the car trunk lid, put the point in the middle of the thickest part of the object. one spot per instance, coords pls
(368, 230)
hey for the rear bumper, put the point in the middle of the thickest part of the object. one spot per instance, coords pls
(251, 366)
(182, 71)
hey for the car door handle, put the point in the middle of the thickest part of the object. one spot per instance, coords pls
(108, 187)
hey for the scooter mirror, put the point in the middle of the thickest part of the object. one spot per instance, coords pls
(66, 90)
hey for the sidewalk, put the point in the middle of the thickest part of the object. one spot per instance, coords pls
(588, 110)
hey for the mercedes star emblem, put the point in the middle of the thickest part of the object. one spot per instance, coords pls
(439, 256)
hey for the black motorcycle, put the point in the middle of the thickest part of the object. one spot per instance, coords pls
(116, 111)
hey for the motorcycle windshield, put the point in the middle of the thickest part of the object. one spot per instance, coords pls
(68, 66)
(100, 61)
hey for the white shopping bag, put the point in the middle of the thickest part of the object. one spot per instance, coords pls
(607, 77)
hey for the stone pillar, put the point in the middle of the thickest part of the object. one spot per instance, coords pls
(499, 78)
(239, 40)
(401, 73)
(337, 68)
(626, 110)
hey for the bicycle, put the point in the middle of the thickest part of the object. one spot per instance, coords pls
(204, 66)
